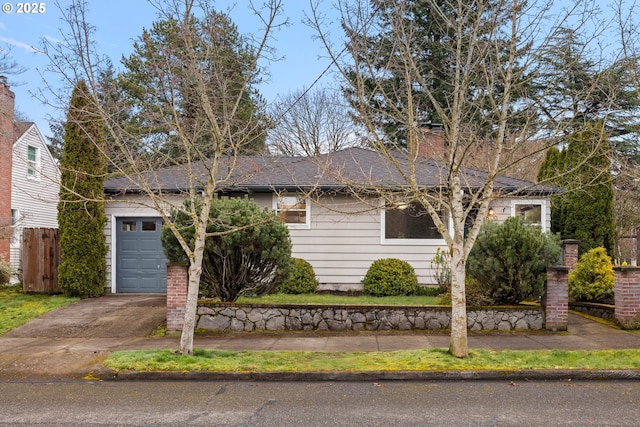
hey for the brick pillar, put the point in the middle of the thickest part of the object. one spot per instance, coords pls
(557, 299)
(627, 296)
(177, 284)
(7, 138)
(570, 253)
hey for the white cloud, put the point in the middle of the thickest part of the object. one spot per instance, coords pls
(18, 44)
(53, 40)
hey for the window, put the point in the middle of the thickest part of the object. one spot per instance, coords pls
(148, 226)
(129, 226)
(531, 210)
(33, 162)
(293, 210)
(409, 223)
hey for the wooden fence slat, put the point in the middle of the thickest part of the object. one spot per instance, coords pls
(40, 260)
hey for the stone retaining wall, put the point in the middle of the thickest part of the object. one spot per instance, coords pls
(602, 311)
(240, 317)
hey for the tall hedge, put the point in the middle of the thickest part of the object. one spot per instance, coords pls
(585, 211)
(81, 217)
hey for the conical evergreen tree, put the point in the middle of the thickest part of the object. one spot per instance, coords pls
(585, 211)
(81, 217)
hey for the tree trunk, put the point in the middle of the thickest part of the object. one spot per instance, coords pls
(195, 271)
(189, 325)
(458, 346)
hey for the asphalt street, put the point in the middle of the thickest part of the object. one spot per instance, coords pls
(403, 403)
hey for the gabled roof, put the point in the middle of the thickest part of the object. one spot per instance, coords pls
(352, 167)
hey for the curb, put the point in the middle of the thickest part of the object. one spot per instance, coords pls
(525, 375)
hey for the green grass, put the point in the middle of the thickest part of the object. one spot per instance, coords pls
(404, 360)
(328, 299)
(17, 308)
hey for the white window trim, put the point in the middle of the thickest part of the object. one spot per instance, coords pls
(408, 242)
(543, 209)
(35, 165)
(300, 226)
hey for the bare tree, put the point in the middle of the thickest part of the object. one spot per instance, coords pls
(216, 98)
(627, 161)
(310, 123)
(492, 50)
(8, 66)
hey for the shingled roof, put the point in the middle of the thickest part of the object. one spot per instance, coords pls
(335, 171)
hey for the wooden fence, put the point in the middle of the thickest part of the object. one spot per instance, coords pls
(40, 260)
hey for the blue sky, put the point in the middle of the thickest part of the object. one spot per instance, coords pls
(118, 22)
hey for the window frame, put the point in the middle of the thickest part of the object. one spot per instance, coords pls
(407, 242)
(33, 166)
(293, 225)
(543, 210)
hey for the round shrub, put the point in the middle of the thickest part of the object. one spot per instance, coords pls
(389, 277)
(509, 260)
(593, 278)
(301, 280)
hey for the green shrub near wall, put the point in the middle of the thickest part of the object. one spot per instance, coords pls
(301, 280)
(593, 278)
(389, 277)
(508, 261)
(247, 249)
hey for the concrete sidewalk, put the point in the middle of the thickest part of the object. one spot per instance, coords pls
(71, 342)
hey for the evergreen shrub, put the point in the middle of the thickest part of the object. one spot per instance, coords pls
(5, 271)
(301, 280)
(593, 278)
(390, 277)
(247, 252)
(509, 260)
(81, 216)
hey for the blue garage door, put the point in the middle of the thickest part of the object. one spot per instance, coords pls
(140, 262)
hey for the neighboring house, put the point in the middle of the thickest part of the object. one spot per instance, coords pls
(29, 180)
(339, 234)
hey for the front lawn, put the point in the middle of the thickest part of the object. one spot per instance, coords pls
(403, 360)
(17, 308)
(329, 299)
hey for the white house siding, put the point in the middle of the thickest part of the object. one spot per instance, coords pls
(34, 198)
(343, 240)
(342, 246)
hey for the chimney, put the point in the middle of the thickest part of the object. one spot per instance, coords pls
(432, 144)
(7, 138)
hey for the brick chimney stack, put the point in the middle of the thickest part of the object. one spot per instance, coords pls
(432, 144)
(7, 138)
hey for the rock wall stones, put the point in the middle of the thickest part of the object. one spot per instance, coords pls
(240, 317)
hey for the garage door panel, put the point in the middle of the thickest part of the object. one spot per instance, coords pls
(128, 264)
(149, 264)
(140, 260)
(149, 245)
(128, 244)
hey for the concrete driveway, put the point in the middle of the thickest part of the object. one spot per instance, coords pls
(111, 316)
(70, 342)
